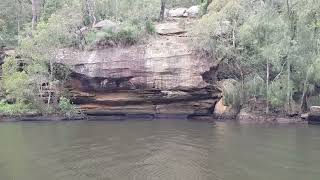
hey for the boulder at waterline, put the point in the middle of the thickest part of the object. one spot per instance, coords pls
(314, 115)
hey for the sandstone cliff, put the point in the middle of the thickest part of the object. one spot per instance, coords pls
(162, 76)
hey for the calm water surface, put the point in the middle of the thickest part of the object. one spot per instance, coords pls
(158, 150)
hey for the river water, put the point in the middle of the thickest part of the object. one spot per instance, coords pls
(158, 150)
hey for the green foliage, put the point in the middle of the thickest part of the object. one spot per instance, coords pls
(16, 86)
(61, 72)
(67, 108)
(182, 3)
(57, 32)
(19, 108)
(10, 66)
(232, 93)
(15, 83)
(279, 38)
(150, 28)
(13, 16)
(278, 93)
(126, 34)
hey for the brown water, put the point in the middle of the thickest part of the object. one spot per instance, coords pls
(158, 150)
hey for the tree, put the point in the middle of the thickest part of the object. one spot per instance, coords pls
(35, 13)
(162, 10)
(89, 12)
(14, 15)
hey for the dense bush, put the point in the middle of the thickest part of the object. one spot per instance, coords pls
(19, 108)
(67, 108)
(125, 35)
(277, 41)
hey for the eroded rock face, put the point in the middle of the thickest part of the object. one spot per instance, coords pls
(163, 76)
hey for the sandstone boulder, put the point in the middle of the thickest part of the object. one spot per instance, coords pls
(178, 12)
(10, 52)
(169, 28)
(314, 115)
(166, 13)
(304, 116)
(193, 11)
(246, 117)
(223, 111)
(106, 25)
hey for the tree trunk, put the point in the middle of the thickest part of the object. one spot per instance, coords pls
(288, 86)
(50, 80)
(35, 5)
(89, 11)
(162, 10)
(304, 102)
(93, 13)
(268, 75)
(293, 28)
(234, 33)
(18, 13)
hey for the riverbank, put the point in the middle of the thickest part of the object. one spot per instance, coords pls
(241, 118)
(39, 117)
(104, 117)
(261, 118)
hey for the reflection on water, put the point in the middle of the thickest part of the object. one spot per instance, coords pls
(157, 150)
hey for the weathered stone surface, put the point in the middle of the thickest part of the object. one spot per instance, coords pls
(166, 13)
(106, 25)
(304, 116)
(178, 12)
(314, 115)
(245, 117)
(224, 112)
(165, 62)
(196, 101)
(315, 110)
(193, 11)
(162, 76)
(169, 28)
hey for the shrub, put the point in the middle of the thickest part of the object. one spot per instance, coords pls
(127, 34)
(232, 93)
(18, 108)
(67, 108)
(150, 27)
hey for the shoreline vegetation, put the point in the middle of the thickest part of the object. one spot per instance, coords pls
(266, 54)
